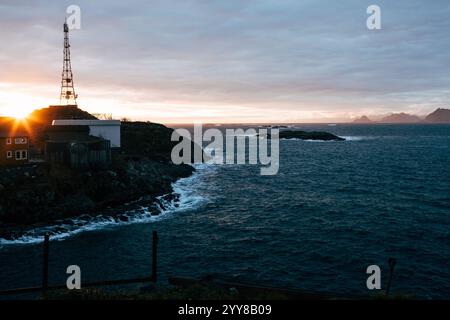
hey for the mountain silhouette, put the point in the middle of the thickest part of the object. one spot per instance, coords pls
(439, 116)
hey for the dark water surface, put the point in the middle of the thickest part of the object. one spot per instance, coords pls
(333, 209)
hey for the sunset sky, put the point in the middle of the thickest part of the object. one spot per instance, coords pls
(231, 60)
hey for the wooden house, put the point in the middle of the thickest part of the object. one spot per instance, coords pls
(14, 147)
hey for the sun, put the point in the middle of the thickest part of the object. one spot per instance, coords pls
(16, 105)
(19, 113)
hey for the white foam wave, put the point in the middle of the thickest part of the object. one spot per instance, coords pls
(187, 199)
(61, 231)
(354, 138)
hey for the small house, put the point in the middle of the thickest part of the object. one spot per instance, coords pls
(74, 147)
(14, 147)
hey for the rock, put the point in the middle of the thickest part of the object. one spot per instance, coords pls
(314, 135)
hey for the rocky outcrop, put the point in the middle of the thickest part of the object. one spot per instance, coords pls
(39, 194)
(149, 139)
(313, 135)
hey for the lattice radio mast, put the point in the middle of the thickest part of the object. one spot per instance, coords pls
(68, 95)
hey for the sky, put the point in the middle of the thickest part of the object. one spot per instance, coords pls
(229, 61)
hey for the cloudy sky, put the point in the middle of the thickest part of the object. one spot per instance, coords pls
(229, 60)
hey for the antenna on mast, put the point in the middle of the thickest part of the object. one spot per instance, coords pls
(68, 95)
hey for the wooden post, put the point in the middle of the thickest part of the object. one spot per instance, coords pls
(392, 262)
(154, 256)
(45, 263)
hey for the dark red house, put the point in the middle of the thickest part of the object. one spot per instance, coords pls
(14, 147)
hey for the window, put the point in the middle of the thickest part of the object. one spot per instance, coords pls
(21, 155)
(9, 154)
(20, 140)
(8, 141)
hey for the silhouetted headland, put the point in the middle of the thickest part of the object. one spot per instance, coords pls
(140, 171)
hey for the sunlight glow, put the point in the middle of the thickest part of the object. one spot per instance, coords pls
(19, 103)
(20, 114)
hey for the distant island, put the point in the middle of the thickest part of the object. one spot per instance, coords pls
(401, 118)
(437, 116)
(363, 119)
(312, 135)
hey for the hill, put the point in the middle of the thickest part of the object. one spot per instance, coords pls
(45, 116)
(439, 116)
(401, 118)
(363, 119)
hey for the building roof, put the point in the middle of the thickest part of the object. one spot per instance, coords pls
(70, 133)
(73, 122)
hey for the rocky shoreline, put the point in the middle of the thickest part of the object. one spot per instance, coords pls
(141, 175)
(36, 195)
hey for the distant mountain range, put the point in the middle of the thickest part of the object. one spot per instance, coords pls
(363, 119)
(437, 116)
(401, 118)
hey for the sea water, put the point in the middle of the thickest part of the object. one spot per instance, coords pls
(333, 209)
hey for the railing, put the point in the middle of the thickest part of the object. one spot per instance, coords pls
(174, 281)
(45, 287)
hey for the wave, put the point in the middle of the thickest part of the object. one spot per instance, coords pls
(358, 138)
(184, 197)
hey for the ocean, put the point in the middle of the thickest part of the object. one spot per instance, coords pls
(333, 209)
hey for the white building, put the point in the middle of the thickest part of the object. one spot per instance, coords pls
(106, 129)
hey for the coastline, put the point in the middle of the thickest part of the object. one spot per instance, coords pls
(40, 194)
(150, 203)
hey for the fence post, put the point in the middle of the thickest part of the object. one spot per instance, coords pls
(45, 263)
(392, 262)
(154, 256)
